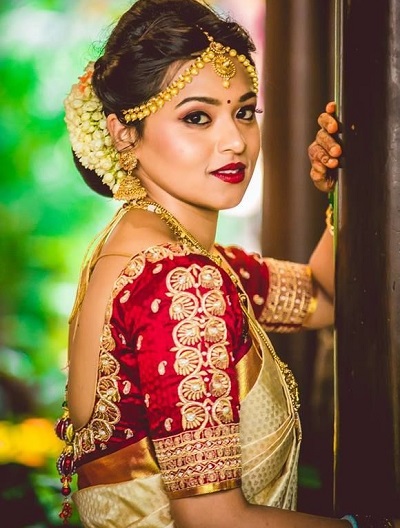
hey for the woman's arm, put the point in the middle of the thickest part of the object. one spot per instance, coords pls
(323, 272)
(229, 509)
(324, 155)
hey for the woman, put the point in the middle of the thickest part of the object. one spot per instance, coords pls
(179, 412)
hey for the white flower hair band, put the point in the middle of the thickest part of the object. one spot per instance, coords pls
(89, 136)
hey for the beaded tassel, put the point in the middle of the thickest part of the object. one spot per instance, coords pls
(65, 463)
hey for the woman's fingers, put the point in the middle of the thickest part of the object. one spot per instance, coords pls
(331, 107)
(327, 119)
(321, 182)
(328, 143)
(324, 151)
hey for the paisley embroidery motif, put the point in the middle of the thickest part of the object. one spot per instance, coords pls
(155, 305)
(128, 433)
(127, 386)
(244, 273)
(161, 368)
(125, 297)
(168, 424)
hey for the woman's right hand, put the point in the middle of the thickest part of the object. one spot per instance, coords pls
(324, 152)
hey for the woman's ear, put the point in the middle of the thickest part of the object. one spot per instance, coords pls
(122, 136)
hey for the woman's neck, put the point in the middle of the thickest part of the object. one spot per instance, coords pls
(201, 223)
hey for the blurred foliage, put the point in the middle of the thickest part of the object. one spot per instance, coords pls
(47, 218)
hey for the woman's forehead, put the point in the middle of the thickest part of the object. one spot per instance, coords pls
(208, 84)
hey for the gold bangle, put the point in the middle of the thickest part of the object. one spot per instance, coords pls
(329, 219)
(312, 306)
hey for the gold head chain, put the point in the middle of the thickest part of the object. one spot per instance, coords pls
(218, 55)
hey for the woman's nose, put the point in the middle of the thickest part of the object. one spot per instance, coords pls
(231, 138)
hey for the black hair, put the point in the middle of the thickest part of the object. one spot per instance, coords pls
(146, 40)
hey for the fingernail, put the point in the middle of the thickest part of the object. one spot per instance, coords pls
(333, 151)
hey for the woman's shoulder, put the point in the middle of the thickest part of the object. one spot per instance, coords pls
(158, 261)
(235, 252)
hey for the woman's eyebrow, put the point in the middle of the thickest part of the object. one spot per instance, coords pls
(246, 96)
(212, 100)
(199, 99)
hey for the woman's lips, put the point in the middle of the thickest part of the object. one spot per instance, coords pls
(231, 173)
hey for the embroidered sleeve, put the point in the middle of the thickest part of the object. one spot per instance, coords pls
(187, 334)
(289, 296)
(281, 292)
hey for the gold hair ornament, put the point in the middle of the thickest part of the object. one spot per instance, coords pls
(218, 55)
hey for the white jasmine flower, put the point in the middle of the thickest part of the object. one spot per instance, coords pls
(87, 127)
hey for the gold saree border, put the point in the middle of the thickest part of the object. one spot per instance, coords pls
(248, 369)
(207, 488)
(129, 463)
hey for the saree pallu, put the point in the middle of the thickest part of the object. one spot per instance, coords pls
(270, 439)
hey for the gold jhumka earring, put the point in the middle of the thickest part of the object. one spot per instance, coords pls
(130, 187)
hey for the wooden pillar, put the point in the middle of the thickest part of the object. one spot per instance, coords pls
(296, 88)
(368, 262)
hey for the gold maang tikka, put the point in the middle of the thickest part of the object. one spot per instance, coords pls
(130, 187)
(221, 58)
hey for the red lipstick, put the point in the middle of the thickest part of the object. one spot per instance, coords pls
(231, 173)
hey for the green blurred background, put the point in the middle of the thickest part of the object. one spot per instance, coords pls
(47, 218)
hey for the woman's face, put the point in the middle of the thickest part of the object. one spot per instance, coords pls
(202, 146)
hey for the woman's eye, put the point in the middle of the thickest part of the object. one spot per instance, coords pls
(247, 113)
(197, 118)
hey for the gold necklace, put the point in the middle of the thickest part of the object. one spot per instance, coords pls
(186, 238)
(179, 231)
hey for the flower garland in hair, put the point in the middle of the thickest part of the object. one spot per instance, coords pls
(89, 136)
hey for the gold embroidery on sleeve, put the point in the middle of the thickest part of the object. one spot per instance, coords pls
(200, 339)
(161, 367)
(155, 305)
(208, 458)
(106, 413)
(290, 293)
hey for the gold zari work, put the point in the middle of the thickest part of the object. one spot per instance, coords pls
(208, 457)
(199, 330)
(106, 413)
(289, 295)
(269, 443)
(265, 457)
